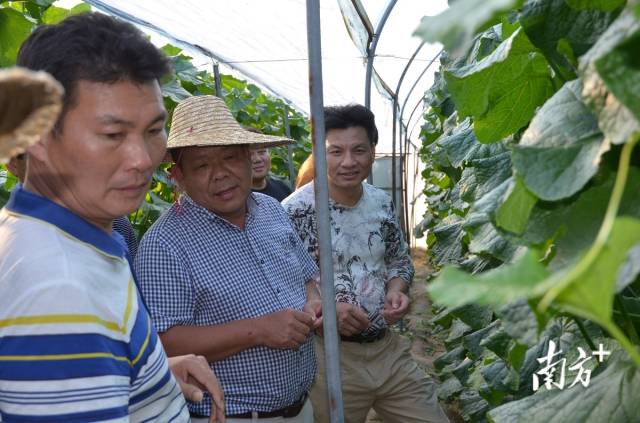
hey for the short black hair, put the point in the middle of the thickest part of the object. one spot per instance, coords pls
(350, 115)
(92, 47)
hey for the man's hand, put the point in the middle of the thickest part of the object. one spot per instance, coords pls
(314, 308)
(285, 329)
(352, 319)
(396, 305)
(195, 376)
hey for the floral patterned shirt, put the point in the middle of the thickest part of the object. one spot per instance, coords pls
(368, 246)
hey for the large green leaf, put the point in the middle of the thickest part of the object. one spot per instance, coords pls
(513, 213)
(44, 3)
(620, 70)
(612, 397)
(451, 356)
(448, 247)
(604, 5)
(615, 120)
(611, 73)
(483, 210)
(485, 237)
(14, 29)
(498, 342)
(449, 387)
(591, 292)
(500, 377)
(456, 26)
(472, 341)
(630, 269)
(520, 279)
(472, 405)
(54, 14)
(519, 322)
(563, 32)
(484, 175)
(559, 152)
(461, 146)
(502, 91)
(488, 240)
(457, 330)
(184, 69)
(174, 90)
(573, 225)
(474, 315)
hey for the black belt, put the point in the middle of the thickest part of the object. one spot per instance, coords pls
(286, 412)
(362, 339)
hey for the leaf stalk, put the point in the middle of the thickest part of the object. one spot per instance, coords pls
(604, 231)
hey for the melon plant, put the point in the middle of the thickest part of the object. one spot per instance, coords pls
(533, 219)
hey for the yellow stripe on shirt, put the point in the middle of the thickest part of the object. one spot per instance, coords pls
(46, 357)
(75, 318)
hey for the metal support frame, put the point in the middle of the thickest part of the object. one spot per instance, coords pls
(403, 129)
(403, 183)
(321, 188)
(216, 79)
(418, 80)
(371, 54)
(406, 190)
(395, 196)
(287, 133)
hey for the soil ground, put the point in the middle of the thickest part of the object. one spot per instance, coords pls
(425, 346)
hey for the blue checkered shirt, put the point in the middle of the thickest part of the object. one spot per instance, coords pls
(195, 268)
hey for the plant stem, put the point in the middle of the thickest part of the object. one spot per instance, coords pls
(584, 333)
(605, 228)
(619, 336)
(628, 324)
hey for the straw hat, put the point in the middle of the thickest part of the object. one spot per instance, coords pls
(30, 103)
(205, 121)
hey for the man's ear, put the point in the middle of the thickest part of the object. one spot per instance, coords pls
(40, 150)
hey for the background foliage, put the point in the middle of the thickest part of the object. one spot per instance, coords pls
(250, 105)
(533, 218)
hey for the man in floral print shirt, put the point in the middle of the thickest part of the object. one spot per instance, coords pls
(372, 273)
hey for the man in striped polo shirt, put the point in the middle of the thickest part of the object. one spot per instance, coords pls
(76, 341)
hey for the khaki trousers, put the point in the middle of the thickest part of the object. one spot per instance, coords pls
(305, 416)
(379, 375)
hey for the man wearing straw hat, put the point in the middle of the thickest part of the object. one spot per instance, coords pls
(225, 275)
(76, 342)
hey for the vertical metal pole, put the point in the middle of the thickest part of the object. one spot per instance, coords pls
(216, 79)
(406, 188)
(287, 133)
(401, 214)
(332, 353)
(394, 185)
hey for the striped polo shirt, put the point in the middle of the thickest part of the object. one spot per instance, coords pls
(76, 343)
